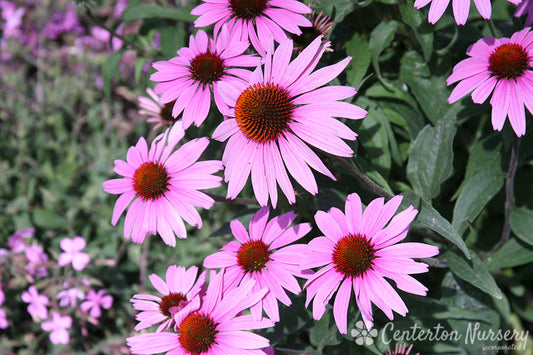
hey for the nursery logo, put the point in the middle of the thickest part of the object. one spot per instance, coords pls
(362, 335)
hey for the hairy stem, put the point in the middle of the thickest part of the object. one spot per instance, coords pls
(492, 28)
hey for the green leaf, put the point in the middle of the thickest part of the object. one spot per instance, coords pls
(431, 158)
(358, 48)
(431, 218)
(429, 89)
(376, 143)
(474, 272)
(416, 19)
(476, 194)
(171, 39)
(511, 254)
(338, 8)
(485, 155)
(324, 332)
(522, 223)
(47, 219)
(110, 70)
(144, 11)
(380, 38)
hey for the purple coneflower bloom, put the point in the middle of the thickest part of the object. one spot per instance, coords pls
(159, 115)
(501, 67)
(187, 80)
(57, 327)
(181, 295)
(283, 107)
(262, 254)
(37, 303)
(260, 21)
(73, 254)
(358, 252)
(96, 300)
(218, 327)
(162, 186)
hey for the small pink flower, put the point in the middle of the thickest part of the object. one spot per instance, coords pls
(181, 295)
(262, 254)
(218, 327)
(502, 67)
(37, 303)
(4, 323)
(358, 252)
(73, 254)
(58, 326)
(95, 300)
(36, 258)
(16, 242)
(70, 297)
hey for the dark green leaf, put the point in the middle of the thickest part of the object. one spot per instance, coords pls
(474, 272)
(324, 332)
(522, 224)
(430, 218)
(380, 38)
(476, 194)
(358, 48)
(416, 19)
(171, 39)
(375, 142)
(511, 254)
(145, 11)
(431, 158)
(48, 219)
(429, 89)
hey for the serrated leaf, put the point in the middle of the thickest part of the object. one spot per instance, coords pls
(475, 195)
(144, 11)
(431, 218)
(474, 272)
(416, 19)
(358, 48)
(431, 158)
(512, 253)
(522, 223)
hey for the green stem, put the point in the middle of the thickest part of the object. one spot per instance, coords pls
(235, 201)
(349, 165)
(492, 28)
(509, 192)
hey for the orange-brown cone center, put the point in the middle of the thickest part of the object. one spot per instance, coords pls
(508, 61)
(353, 255)
(253, 256)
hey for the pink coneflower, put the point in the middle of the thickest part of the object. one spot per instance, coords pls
(503, 66)
(260, 21)
(158, 115)
(57, 327)
(525, 7)
(181, 295)
(96, 300)
(216, 328)
(73, 253)
(188, 78)
(163, 186)
(37, 303)
(262, 255)
(283, 107)
(358, 251)
(321, 25)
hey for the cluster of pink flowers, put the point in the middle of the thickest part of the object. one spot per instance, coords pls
(50, 301)
(275, 116)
